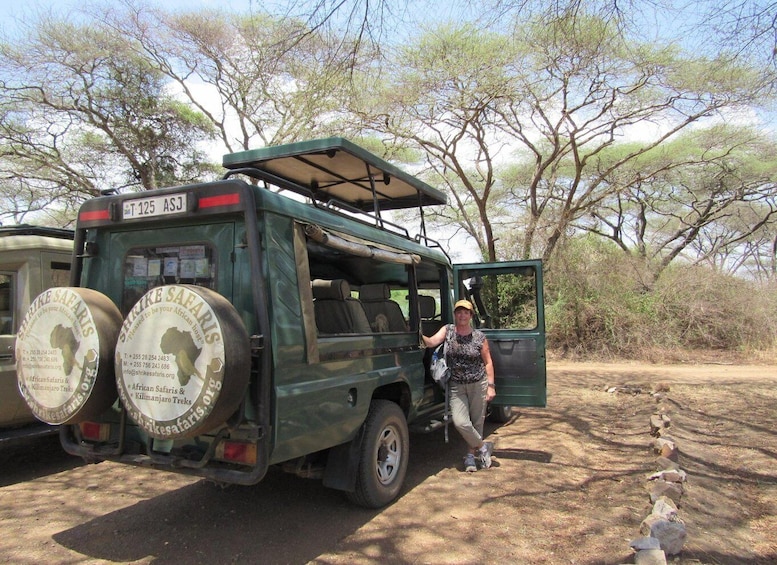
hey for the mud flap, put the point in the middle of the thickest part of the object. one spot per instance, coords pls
(342, 464)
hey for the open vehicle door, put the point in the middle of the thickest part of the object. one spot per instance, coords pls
(508, 301)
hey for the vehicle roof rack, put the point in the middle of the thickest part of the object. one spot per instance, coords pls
(27, 229)
(334, 170)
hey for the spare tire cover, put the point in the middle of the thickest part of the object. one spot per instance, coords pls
(64, 354)
(182, 361)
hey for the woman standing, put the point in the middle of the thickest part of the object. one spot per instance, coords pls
(471, 382)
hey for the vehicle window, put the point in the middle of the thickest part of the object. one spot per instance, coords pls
(149, 267)
(60, 274)
(504, 301)
(355, 293)
(6, 303)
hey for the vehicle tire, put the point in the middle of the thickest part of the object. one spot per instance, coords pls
(182, 361)
(64, 354)
(384, 455)
(500, 414)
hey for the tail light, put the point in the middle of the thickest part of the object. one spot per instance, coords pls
(93, 431)
(236, 452)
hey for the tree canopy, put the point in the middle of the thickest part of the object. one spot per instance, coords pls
(542, 121)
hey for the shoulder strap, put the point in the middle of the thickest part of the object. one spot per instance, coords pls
(450, 331)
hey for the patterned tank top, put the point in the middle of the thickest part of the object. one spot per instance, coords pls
(464, 357)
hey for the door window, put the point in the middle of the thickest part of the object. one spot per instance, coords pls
(504, 300)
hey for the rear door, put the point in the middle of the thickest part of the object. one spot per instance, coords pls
(508, 301)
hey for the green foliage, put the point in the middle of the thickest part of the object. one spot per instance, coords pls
(84, 109)
(599, 304)
(509, 301)
(705, 309)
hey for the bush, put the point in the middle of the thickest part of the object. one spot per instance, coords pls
(709, 310)
(600, 302)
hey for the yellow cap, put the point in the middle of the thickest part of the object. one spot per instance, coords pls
(464, 304)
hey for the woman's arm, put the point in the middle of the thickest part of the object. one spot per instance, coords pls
(436, 339)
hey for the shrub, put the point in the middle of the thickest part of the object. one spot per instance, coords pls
(599, 302)
(708, 309)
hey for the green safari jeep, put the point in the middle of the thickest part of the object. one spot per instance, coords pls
(269, 318)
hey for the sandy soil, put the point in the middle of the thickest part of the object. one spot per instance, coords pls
(569, 485)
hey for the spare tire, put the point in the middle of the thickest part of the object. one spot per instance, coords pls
(64, 354)
(182, 361)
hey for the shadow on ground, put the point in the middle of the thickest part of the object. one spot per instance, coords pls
(283, 519)
(33, 459)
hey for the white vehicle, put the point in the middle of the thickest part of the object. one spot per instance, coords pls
(32, 259)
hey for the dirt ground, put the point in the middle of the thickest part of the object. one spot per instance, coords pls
(568, 485)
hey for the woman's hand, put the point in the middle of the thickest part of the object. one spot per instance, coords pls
(490, 392)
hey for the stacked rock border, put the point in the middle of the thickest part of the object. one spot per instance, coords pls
(662, 531)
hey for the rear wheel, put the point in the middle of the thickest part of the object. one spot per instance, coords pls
(500, 414)
(384, 456)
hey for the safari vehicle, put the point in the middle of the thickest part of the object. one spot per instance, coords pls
(32, 259)
(269, 318)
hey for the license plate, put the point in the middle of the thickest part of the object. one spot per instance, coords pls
(154, 206)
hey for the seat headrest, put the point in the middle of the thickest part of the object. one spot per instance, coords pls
(374, 292)
(337, 289)
(427, 305)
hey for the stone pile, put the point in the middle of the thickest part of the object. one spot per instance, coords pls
(663, 530)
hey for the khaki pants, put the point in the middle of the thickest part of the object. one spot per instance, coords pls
(468, 410)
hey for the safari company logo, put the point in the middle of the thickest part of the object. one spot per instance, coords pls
(57, 355)
(170, 362)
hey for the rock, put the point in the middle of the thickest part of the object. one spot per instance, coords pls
(669, 475)
(626, 389)
(650, 557)
(664, 463)
(665, 507)
(656, 424)
(640, 544)
(665, 447)
(673, 491)
(671, 534)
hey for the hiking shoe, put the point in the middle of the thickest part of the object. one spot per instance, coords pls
(469, 463)
(485, 454)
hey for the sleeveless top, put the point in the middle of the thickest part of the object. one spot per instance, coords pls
(464, 356)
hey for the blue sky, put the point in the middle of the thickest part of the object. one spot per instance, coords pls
(10, 9)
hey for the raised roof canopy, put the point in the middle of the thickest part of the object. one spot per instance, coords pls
(335, 169)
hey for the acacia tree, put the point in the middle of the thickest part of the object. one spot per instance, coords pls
(82, 112)
(702, 196)
(547, 101)
(439, 99)
(259, 80)
(744, 27)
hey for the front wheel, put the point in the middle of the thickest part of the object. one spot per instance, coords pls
(383, 457)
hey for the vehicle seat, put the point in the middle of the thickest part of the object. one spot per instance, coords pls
(336, 312)
(384, 314)
(428, 310)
